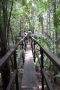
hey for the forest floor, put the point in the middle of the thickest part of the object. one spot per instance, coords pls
(56, 85)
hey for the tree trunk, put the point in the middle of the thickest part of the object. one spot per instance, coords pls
(55, 25)
(6, 70)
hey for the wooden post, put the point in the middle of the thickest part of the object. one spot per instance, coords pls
(5, 76)
(42, 66)
(34, 51)
(25, 44)
(32, 45)
(15, 67)
(22, 52)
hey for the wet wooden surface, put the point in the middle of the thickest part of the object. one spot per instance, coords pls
(29, 80)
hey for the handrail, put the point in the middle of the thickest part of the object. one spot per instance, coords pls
(54, 59)
(49, 54)
(47, 80)
(9, 53)
(4, 60)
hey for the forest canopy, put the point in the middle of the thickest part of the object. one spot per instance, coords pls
(40, 16)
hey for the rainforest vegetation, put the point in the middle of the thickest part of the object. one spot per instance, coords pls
(41, 17)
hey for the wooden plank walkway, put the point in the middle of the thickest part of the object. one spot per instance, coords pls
(29, 80)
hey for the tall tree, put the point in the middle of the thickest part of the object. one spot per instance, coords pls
(6, 70)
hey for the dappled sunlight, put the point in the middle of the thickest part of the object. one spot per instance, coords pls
(28, 55)
(29, 78)
(40, 87)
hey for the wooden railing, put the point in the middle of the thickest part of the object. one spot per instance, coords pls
(6, 59)
(52, 58)
(50, 55)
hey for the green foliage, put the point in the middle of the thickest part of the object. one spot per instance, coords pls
(42, 6)
(34, 15)
(58, 15)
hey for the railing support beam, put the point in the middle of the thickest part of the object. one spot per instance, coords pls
(15, 67)
(23, 52)
(34, 51)
(25, 44)
(42, 66)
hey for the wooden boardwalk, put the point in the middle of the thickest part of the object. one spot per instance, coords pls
(29, 80)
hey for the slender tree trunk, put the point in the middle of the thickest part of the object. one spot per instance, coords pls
(6, 71)
(8, 22)
(55, 24)
(42, 26)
